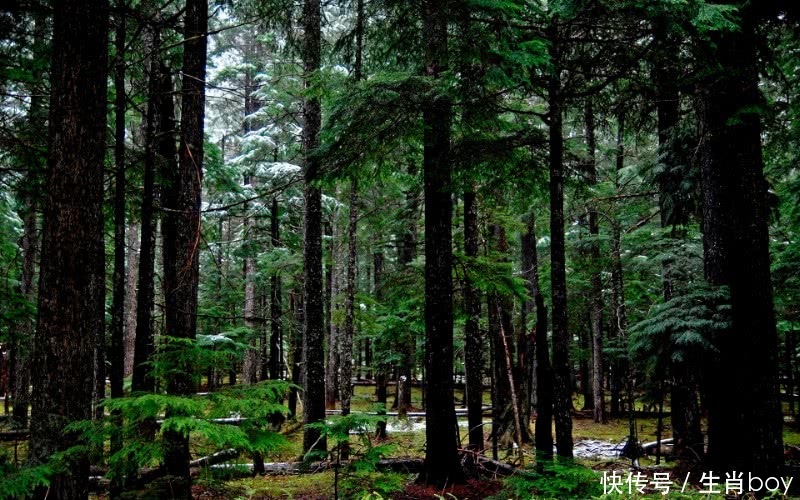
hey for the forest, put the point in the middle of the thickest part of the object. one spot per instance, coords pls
(387, 249)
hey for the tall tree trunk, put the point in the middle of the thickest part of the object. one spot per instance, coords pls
(596, 306)
(313, 335)
(131, 277)
(117, 352)
(544, 396)
(743, 391)
(251, 358)
(22, 346)
(684, 409)
(181, 232)
(71, 291)
(381, 368)
(145, 300)
(275, 307)
(298, 308)
(473, 349)
(562, 388)
(442, 465)
(332, 289)
(346, 346)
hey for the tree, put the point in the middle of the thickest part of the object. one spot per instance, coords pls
(181, 233)
(441, 460)
(71, 285)
(744, 388)
(313, 330)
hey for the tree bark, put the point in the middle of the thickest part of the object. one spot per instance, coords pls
(145, 300)
(313, 335)
(544, 383)
(442, 465)
(117, 352)
(131, 277)
(346, 346)
(743, 392)
(473, 349)
(71, 291)
(562, 388)
(181, 233)
(275, 307)
(596, 300)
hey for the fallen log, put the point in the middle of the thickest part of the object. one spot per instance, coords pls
(19, 435)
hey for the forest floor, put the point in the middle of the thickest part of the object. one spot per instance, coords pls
(596, 448)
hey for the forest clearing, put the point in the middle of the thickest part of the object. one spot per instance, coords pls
(391, 249)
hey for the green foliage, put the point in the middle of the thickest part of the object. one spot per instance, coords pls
(553, 480)
(682, 330)
(359, 472)
(233, 417)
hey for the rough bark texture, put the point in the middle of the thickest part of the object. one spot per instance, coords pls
(562, 387)
(71, 291)
(332, 290)
(743, 390)
(544, 379)
(442, 465)
(131, 276)
(313, 334)
(596, 301)
(346, 342)
(275, 307)
(181, 232)
(117, 352)
(145, 298)
(380, 369)
(473, 350)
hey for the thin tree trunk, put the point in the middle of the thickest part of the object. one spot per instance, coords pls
(473, 350)
(117, 353)
(71, 291)
(145, 300)
(275, 307)
(562, 392)
(544, 396)
(380, 369)
(596, 308)
(332, 290)
(131, 277)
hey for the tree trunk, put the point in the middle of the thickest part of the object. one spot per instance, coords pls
(743, 392)
(544, 395)
(596, 301)
(296, 305)
(24, 343)
(275, 307)
(346, 353)
(313, 335)
(442, 465)
(131, 277)
(473, 349)
(145, 300)
(562, 388)
(333, 278)
(181, 233)
(685, 411)
(117, 352)
(380, 368)
(71, 291)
